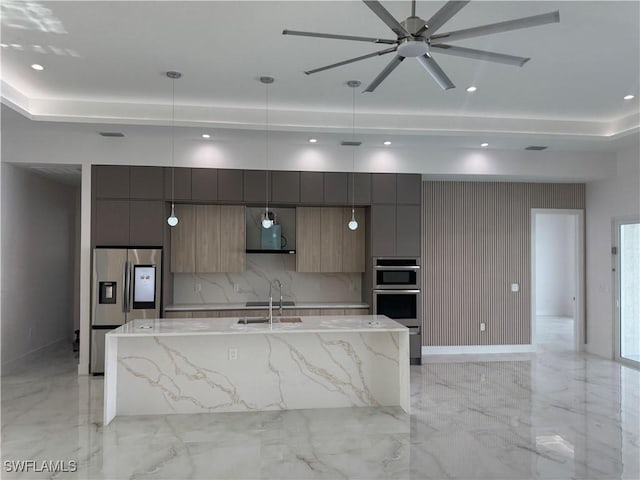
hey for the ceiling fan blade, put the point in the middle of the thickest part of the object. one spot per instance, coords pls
(442, 16)
(397, 60)
(526, 22)
(435, 71)
(386, 17)
(480, 55)
(338, 37)
(351, 60)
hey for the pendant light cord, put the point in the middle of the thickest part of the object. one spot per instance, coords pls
(353, 153)
(173, 152)
(266, 145)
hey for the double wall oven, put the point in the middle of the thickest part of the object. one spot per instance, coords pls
(396, 294)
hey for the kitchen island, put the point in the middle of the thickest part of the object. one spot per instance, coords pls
(200, 365)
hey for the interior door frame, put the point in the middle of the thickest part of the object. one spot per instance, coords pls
(616, 223)
(579, 330)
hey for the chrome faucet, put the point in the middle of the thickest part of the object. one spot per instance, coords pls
(279, 285)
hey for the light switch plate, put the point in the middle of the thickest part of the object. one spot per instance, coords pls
(515, 287)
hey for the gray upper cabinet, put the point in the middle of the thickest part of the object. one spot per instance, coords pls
(111, 181)
(204, 184)
(408, 231)
(230, 188)
(181, 181)
(255, 186)
(146, 183)
(362, 184)
(383, 188)
(336, 188)
(285, 187)
(408, 189)
(111, 223)
(146, 223)
(312, 187)
(383, 230)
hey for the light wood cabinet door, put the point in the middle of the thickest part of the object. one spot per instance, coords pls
(308, 224)
(332, 311)
(331, 239)
(232, 239)
(183, 240)
(356, 311)
(207, 238)
(353, 257)
(177, 315)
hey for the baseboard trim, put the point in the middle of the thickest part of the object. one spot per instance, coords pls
(13, 365)
(476, 349)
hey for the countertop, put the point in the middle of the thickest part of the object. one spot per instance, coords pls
(230, 326)
(186, 307)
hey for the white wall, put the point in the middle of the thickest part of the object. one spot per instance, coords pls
(38, 220)
(555, 264)
(618, 196)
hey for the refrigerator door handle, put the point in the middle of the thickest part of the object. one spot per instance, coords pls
(126, 294)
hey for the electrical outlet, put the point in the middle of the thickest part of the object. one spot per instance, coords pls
(236, 287)
(233, 354)
(30, 332)
(515, 287)
(483, 327)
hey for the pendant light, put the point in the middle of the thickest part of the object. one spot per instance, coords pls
(353, 223)
(173, 220)
(267, 221)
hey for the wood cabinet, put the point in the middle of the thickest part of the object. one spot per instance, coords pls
(325, 244)
(408, 189)
(253, 313)
(183, 240)
(312, 187)
(230, 185)
(362, 184)
(335, 188)
(110, 223)
(111, 181)
(383, 188)
(178, 314)
(208, 239)
(146, 223)
(255, 186)
(285, 187)
(395, 230)
(146, 183)
(204, 184)
(178, 181)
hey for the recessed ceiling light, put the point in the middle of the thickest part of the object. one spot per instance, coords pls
(313, 140)
(485, 144)
(206, 135)
(37, 66)
(629, 97)
(3, 45)
(387, 142)
(471, 89)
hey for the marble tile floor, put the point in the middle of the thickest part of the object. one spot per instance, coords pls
(552, 415)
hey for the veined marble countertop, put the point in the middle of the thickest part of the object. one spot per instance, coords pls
(187, 307)
(172, 327)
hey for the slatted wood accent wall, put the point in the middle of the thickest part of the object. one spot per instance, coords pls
(476, 243)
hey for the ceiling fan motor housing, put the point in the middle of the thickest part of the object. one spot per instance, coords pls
(412, 48)
(413, 24)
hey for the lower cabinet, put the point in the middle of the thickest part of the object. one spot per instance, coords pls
(289, 312)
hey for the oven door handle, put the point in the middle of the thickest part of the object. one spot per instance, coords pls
(393, 292)
(407, 267)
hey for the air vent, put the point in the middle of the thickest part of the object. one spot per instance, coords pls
(350, 143)
(537, 148)
(111, 134)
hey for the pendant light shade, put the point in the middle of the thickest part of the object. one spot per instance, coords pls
(267, 220)
(353, 223)
(173, 220)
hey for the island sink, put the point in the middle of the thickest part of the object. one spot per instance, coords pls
(251, 320)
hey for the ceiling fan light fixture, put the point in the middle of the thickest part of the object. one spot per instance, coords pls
(37, 66)
(471, 89)
(485, 144)
(629, 97)
(386, 142)
(313, 140)
(206, 136)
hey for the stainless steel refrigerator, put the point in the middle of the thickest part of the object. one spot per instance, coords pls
(126, 286)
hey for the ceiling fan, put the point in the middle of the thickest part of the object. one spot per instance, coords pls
(417, 38)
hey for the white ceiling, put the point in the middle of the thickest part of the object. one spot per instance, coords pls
(105, 63)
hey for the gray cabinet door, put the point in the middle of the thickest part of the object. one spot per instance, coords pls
(362, 184)
(181, 180)
(335, 188)
(383, 230)
(383, 188)
(230, 185)
(409, 188)
(408, 231)
(147, 183)
(111, 223)
(204, 184)
(111, 181)
(285, 187)
(255, 186)
(146, 223)
(312, 187)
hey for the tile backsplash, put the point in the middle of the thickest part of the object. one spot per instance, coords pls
(253, 283)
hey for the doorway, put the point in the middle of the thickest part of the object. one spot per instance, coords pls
(626, 300)
(557, 266)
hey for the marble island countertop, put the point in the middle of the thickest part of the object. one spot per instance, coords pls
(189, 307)
(226, 326)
